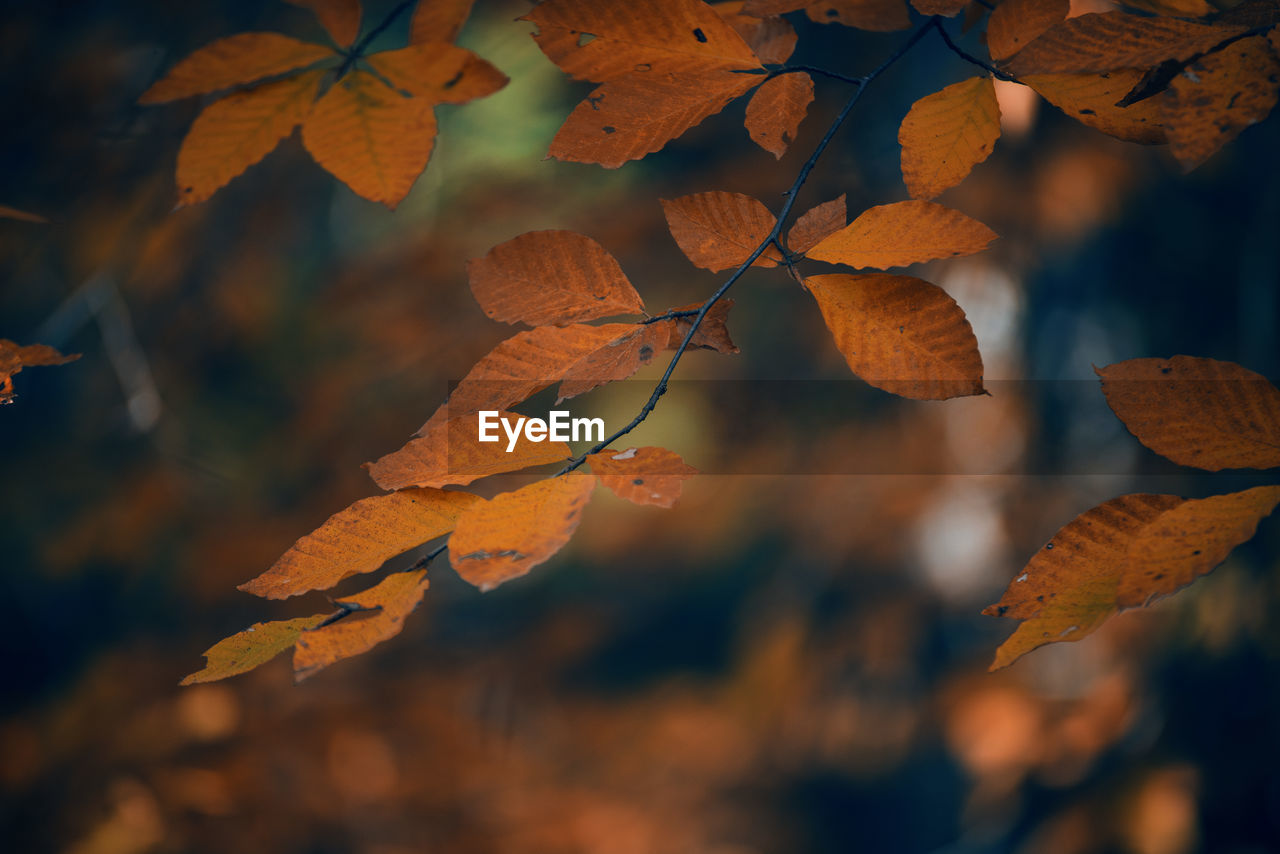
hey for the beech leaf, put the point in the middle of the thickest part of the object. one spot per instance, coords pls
(438, 20)
(251, 648)
(771, 38)
(1091, 99)
(776, 110)
(719, 230)
(817, 223)
(946, 134)
(901, 234)
(340, 18)
(234, 61)
(439, 73)
(946, 8)
(1016, 23)
(642, 475)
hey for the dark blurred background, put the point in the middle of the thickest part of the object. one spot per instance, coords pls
(784, 662)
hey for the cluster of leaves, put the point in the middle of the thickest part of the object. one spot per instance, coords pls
(662, 67)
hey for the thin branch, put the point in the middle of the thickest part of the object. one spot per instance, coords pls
(359, 48)
(792, 69)
(968, 57)
(670, 315)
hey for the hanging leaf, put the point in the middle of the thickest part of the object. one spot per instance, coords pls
(504, 538)
(776, 110)
(1091, 99)
(551, 277)
(1197, 412)
(719, 230)
(378, 614)
(900, 334)
(946, 134)
(14, 357)
(1016, 23)
(771, 38)
(340, 18)
(817, 223)
(251, 648)
(234, 61)
(234, 133)
(712, 334)
(617, 360)
(1106, 41)
(642, 475)
(361, 539)
(903, 233)
(438, 20)
(439, 73)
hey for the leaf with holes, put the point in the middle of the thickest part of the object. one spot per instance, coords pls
(946, 134)
(776, 110)
(901, 234)
(642, 475)
(1091, 99)
(253, 647)
(719, 230)
(617, 360)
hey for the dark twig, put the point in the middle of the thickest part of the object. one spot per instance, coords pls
(792, 69)
(359, 48)
(670, 315)
(968, 57)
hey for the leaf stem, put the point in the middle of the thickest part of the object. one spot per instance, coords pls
(358, 49)
(968, 57)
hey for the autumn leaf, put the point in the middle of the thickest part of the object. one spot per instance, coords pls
(946, 134)
(340, 18)
(504, 538)
(438, 20)
(1015, 23)
(1092, 100)
(1218, 96)
(719, 230)
(1174, 8)
(776, 110)
(7, 212)
(713, 332)
(14, 357)
(873, 15)
(439, 73)
(551, 277)
(234, 61)
(617, 360)
(817, 223)
(233, 133)
(377, 614)
(903, 233)
(361, 539)
(1197, 412)
(1252, 14)
(900, 334)
(946, 8)
(450, 452)
(370, 137)
(642, 475)
(771, 38)
(251, 648)
(1106, 41)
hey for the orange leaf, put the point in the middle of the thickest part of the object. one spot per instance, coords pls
(551, 277)
(1189, 541)
(617, 360)
(1173, 8)
(13, 358)
(1091, 99)
(900, 334)
(7, 212)
(370, 137)
(642, 475)
(361, 539)
(1015, 23)
(776, 110)
(438, 20)
(504, 538)
(1197, 412)
(233, 133)
(1105, 41)
(234, 61)
(817, 223)
(946, 134)
(713, 332)
(451, 452)
(1218, 96)
(340, 18)
(440, 73)
(903, 233)
(654, 37)
(771, 38)
(379, 615)
(719, 230)
(251, 648)
(946, 8)
(877, 16)
(1070, 587)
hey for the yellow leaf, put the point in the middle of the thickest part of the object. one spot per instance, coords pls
(340, 18)
(251, 648)
(776, 110)
(903, 233)
(1015, 23)
(440, 73)
(642, 475)
(1091, 100)
(719, 230)
(946, 134)
(234, 61)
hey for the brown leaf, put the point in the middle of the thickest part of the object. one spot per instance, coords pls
(7, 212)
(504, 538)
(1190, 540)
(947, 8)
(1015, 23)
(712, 334)
(642, 475)
(1106, 41)
(1071, 585)
(974, 12)
(378, 615)
(361, 539)
(237, 131)
(1217, 96)
(776, 110)
(877, 16)
(817, 223)
(770, 37)
(234, 61)
(903, 233)
(1197, 412)
(1173, 8)
(900, 334)
(1091, 100)
(1252, 14)
(438, 20)
(14, 357)
(551, 277)
(370, 137)
(251, 648)
(340, 18)
(617, 360)
(946, 134)
(719, 230)
(439, 73)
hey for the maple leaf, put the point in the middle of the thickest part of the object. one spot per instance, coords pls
(946, 134)
(903, 233)
(14, 357)
(252, 648)
(719, 230)
(1016, 23)
(776, 110)
(642, 475)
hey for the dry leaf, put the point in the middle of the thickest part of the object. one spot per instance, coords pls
(1174, 8)
(1197, 412)
(361, 539)
(903, 233)
(14, 357)
(504, 538)
(770, 37)
(1091, 99)
(340, 18)
(946, 134)
(1015, 23)
(719, 230)
(713, 332)
(946, 8)
(234, 61)
(616, 360)
(440, 73)
(817, 223)
(551, 277)
(900, 334)
(251, 648)
(438, 20)
(776, 110)
(642, 475)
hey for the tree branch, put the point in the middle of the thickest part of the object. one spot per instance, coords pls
(968, 57)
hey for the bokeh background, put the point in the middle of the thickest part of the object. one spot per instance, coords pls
(790, 660)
